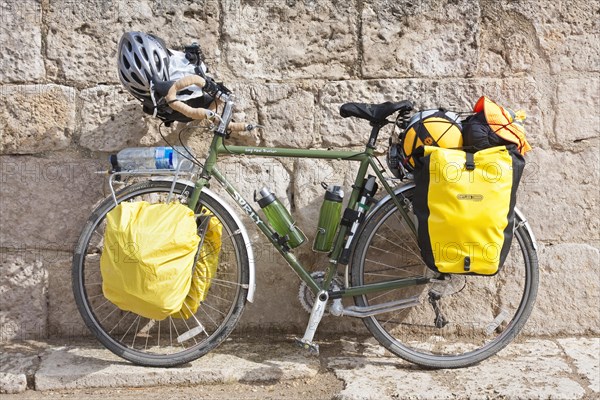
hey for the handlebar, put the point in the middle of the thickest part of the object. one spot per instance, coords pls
(201, 113)
(193, 113)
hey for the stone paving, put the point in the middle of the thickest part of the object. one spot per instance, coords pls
(564, 368)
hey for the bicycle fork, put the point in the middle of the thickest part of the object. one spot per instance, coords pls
(316, 315)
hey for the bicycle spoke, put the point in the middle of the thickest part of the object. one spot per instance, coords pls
(208, 316)
(109, 314)
(212, 308)
(119, 322)
(214, 296)
(387, 265)
(135, 334)
(154, 342)
(186, 324)
(130, 326)
(224, 283)
(176, 331)
(459, 320)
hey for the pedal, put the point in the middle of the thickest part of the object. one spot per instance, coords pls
(312, 347)
(313, 322)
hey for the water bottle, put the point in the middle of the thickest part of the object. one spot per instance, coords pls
(280, 218)
(329, 218)
(147, 158)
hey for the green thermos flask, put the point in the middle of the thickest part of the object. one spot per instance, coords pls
(280, 218)
(329, 218)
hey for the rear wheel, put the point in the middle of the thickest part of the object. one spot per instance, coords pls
(458, 320)
(174, 340)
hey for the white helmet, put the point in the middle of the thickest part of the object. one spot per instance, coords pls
(142, 58)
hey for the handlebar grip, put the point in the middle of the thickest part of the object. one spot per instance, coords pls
(193, 113)
(238, 127)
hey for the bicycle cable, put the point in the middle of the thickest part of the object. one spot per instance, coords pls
(188, 156)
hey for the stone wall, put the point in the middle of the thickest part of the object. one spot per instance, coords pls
(292, 63)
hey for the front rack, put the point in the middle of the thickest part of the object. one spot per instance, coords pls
(175, 173)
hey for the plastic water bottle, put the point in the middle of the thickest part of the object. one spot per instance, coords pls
(280, 219)
(148, 158)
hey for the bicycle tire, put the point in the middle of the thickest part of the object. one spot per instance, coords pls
(483, 316)
(218, 314)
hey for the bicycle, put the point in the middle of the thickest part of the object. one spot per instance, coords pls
(430, 319)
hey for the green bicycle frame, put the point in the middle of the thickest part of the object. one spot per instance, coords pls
(366, 160)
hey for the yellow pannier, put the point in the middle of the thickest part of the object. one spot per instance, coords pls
(206, 266)
(148, 258)
(464, 203)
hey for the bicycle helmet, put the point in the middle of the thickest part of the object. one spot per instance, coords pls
(142, 58)
(431, 128)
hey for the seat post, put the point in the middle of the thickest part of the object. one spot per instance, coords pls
(374, 133)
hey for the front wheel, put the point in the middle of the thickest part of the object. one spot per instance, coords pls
(176, 339)
(459, 320)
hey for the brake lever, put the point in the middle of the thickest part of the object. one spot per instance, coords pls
(251, 127)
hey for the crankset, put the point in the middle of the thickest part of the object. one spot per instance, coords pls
(307, 297)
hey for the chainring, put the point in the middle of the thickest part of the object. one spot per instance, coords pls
(306, 296)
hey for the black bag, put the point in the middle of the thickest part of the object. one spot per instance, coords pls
(478, 135)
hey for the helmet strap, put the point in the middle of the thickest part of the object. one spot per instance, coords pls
(153, 98)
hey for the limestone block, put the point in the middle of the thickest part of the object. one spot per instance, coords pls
(44, 202)
(250, 174)
(82, 37)
(570, 52)
(83, 368)
(275, 308)
(18, 361)
(21, 49)
(290, 39)
(453, 94)
(36, 118)
(23, 295)
(111, 120)
(559, 195)
(580, 14)
(287, 113)
(584, 352)
(567, 32)
(12, 383)
(64, 320)
(426, 38)
(577, 125)
(509, 43)
(568, 297)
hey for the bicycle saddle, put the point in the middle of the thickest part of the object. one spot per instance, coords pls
(374, 112)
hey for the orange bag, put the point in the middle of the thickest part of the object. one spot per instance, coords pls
(504, 122)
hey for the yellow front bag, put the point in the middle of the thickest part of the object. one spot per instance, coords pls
(206, 264)
(464, 203)
(148, 257)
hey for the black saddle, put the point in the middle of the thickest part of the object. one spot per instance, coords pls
(374, 113)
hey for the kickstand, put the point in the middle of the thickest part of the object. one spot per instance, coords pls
(440, 321)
